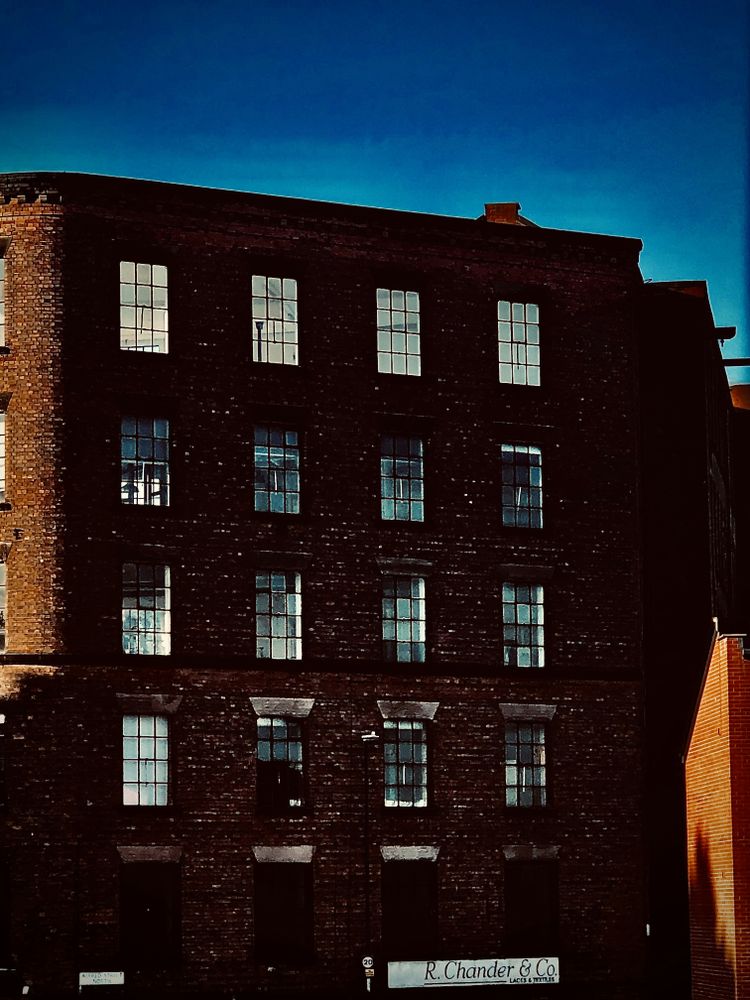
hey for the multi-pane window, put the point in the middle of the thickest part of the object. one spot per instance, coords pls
(279, 775)
(2, 456)
(398, 332)
(276, 462)
(525, 764)
(518, 342)
(404, 624)
(145, 608)
(278, 615)
(522, 486)
(401, 478)
(523, 625)
(2, 300)
(144, 461)
(275, 322)
(145, 760)
(3, 606)
(405, 762)
(143, 307)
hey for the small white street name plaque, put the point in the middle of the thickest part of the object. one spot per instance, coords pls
(101, 979)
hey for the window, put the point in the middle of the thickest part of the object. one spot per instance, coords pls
(2, 456)
(522, 486)
(398, 332)
(525, 764)
(144, 454)
(518, 342)
(279, 781)
(523, 625)
(404, 618)
(278, 615)
(276, 470)
(150, 914)
(146, 622)
(3, 606)
(275, 323)
(405, 752)
(145, 760)
(531, 907)
(143, 307)
(3, 785)
(2, 299)
(401, 478)
(410, 907)
(283, 912)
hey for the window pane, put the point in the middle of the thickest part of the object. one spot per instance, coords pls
(397, 315)
(143, 312)
(517, 327)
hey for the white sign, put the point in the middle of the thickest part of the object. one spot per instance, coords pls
(101, 979)
(367, 962)
(473, 972)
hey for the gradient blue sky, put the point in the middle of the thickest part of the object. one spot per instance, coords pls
(609, 117)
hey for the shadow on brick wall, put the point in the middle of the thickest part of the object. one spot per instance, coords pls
(712, 970)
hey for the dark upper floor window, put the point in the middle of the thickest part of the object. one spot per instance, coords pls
(275, 320)
(521, 486)
(277, 472)
(280, 786)
(404, 618)
(150, 914)
(401, 478)
(143, 307)
(518, 342)
(144, 461)
(283, 912)
(146, 616)
(525, 764)
(405, 762)
(398, 332)
(523, 625)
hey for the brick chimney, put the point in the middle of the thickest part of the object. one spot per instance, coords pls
(503, 211)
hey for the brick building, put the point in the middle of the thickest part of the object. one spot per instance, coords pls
(322, 567)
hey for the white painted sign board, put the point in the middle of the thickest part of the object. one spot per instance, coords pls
(101, 979)
(473, 972)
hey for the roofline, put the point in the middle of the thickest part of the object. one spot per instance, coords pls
(530, 230)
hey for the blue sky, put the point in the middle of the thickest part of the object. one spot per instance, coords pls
(610, 117)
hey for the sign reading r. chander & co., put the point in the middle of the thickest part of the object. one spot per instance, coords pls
(473, 972)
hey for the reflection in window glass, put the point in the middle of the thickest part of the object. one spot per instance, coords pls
(525, 764)
(279, 786)
(404, 626)
(278, 615)
(145, 760)
(523, 625)
(146, 623)
(405, 753)
(518, 342)
(144, 454)
(401, 478)
(275, 322)
(398, 332)
(143, 307)
(276, 460)
(522, 486)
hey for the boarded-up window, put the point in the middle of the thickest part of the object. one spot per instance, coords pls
(149, 914)
(409, 909)
(531, 907)
(283, 912)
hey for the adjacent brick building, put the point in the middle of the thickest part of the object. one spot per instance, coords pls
(323, 544)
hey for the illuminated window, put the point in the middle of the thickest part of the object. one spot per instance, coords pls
(275, 322)
(144, 452)
(279, 761)
(278, 615)
(404, 627)
(146, 622)
(405, 761)
(145, 760)
(277, 470)
(398, 332)
(523, 625)
(401, 478)
(522, 486)
(525, 764)
(143, 307)
(518, 342)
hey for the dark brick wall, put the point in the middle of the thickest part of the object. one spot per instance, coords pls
(63, 717)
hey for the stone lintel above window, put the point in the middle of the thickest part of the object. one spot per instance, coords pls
(511, 712)
(416, 852)
(528, 852)
(400, 566)
(152, 852)
(149, 704)
(408, 709)
(299, 854)
(283, 708)
(525, 571)
(265, 559)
